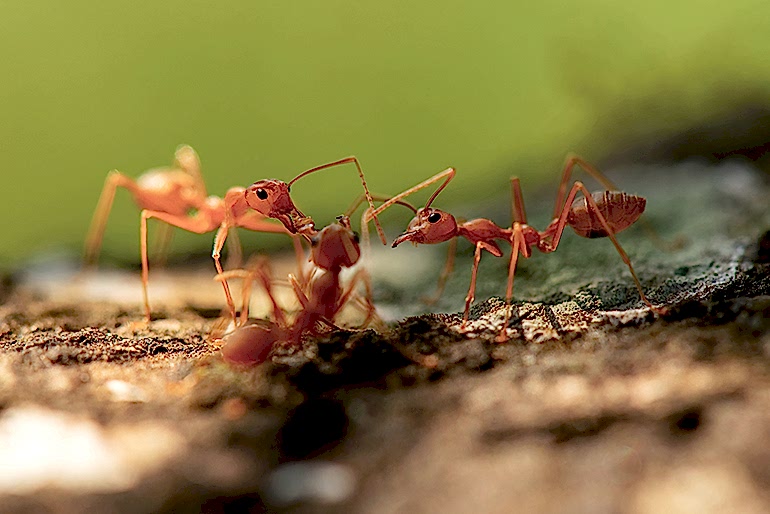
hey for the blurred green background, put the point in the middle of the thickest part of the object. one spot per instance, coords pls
(267, 89)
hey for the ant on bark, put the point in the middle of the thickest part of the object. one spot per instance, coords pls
(333, 248)
(178, 197)
(601, 214)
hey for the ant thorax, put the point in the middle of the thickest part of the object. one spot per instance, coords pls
(336, 246)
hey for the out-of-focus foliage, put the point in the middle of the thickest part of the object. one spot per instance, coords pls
(266, 89)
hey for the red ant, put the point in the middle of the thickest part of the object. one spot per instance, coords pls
(601, 214)
(333, 248)
(178, 197)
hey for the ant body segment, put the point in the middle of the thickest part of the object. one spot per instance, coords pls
(602, 214)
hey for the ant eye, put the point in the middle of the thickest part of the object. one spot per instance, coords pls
(355, 237)
(434, 218)
(261, 194)
(314, 240)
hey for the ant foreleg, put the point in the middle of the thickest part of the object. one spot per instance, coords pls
(234, 250)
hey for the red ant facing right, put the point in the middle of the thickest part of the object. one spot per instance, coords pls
(601, 214)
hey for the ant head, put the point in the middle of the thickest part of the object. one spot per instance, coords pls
(336, 246)
(271, 198)
(428, 227)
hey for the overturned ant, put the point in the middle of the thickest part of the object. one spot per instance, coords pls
(178, 197)
(333, 248)
(601, 214)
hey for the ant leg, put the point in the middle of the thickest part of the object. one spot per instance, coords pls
(264, 273)
(259, 269)
(517, 247)
(199, 224)
(518, 212)
(558, 229)
(219, 242)
(442, 278)
(247, 277)
(234, 250)
(250, 221)
(114, 180)
(571, 161)
(163, 236)
(299, 253)
(361, 275)
(472, 289)
(301, 296)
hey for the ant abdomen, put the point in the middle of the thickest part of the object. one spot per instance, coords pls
(619, 209)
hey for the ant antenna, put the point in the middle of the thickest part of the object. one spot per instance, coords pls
(346, 160)
(450, 176)
(378, 198)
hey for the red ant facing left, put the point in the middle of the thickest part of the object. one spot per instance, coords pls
(601, 214)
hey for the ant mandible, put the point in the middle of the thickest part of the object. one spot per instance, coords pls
(601, 214)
